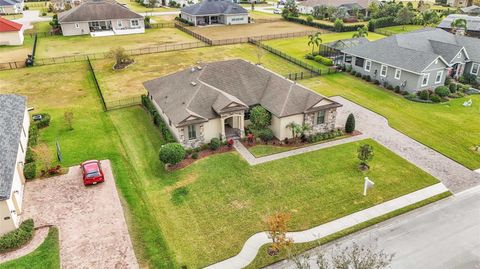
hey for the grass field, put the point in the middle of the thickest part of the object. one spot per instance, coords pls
(137, 7)
(128, 82)
(47, 255)
(331, 23)
(265, 150)
(16, 53)
(298, 47)
(255, 14)
(43, 26)
(448, 128)
(57, 46)
(401, 28)
(249, 30)
(228, 200)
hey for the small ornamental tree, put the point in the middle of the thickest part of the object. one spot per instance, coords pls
(350, 124)
(171, 153)
(365, 154)
(260, 117)
(338, 25)
(277, 231)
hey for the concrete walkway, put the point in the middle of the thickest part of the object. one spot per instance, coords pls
(37, 240)
(31, 16)
(252, 160)
(253, 244)
(454, 175)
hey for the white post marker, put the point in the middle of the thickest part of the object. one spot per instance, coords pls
(367, 185)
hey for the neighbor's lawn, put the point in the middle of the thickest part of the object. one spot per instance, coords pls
(47, 255)
(127, 83)
(137, 7)
(42, 27)
(450, 128)
(401, 28)
(57, 46)
(255, 14)
(228, 200)
(298, 47)
(16, 53)
(56, 89)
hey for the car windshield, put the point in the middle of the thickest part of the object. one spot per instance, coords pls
(93, 174)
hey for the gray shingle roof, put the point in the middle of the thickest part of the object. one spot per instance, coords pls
(473, 8)
(97, 10)
(416, 50)
(9, 2)
(347, 43)
(12, 111)
(213, 7)
(473, 22)
(233, 82)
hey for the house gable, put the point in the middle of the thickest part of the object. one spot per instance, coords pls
(437, 64)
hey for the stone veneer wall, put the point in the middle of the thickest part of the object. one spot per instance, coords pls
(183, 131)
(329, 125)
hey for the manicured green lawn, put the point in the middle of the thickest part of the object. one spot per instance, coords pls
(228, 200)
(128, 82)
(57, 46)
(450, 128)
(298, 47)
(265, 150)
(41, 27)
(47, 255)
(255, 14)
(401, 28)
(137, 7)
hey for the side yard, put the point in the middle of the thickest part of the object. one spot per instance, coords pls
(449, 128)
(399, 29)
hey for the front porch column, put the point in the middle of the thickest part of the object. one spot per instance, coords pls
(242, 126)
(222, 122)
(209, 20)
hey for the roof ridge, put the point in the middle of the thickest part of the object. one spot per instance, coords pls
(286, 98)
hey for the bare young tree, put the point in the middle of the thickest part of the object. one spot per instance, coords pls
(259, 52)
(277, 230)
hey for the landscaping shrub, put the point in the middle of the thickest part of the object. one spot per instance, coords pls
(464, 88)
(29, 156)
(18, 237)
(358, 75)
(338, 25)
(376, 82)
(323, 60)
(260, 117)
(30, 170)
(448, 80)
(309, 18)
(353, 72)
(179, 195)
(368, 78)
(380, 23)
(309, 56)
(468, 79)
(195, 155)
(350, 124)
(424, 95)
(33, 135)
(389, 87)
(442, 91)
(215, 143)
(44, 122)
(171, 153)
(321, 25)
(182, 20)
(264, 134)
(452, 87)
(435, 98)
(157, 119)
(188, 152)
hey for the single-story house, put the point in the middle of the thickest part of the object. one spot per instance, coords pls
(473, 23)
(471, 10)
(306, 7)
(214, 99)
(11, 6)
(459, 3)
(11, 33)
(14, 124)
(101, 18)
(210, 12)
(60, 5)
(417, 60)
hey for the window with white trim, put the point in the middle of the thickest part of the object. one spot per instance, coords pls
(119, 23)
(134, 23)
(383, 71)
(425, 79)
(475, 69)
(192, 133)
(320, 119)
(398, 73)
(439, 77)
(368, 65)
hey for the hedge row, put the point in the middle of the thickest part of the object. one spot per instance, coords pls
(182, 20)
(157, 119)
(330, 27)
(380, 23)
(18, 237)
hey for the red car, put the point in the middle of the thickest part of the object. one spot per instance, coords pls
(92, 172)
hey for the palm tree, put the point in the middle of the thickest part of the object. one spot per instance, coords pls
(314, 40)
(361, 32)
(458, 24)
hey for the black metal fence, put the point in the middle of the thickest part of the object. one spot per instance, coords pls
(122, 103)
(301, 75)
(192, 33)
(162, 25)
(97, 85)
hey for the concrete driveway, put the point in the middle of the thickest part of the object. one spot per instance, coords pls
(31, 16)
(92, 227)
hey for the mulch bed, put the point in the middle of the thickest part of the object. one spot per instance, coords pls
(202, 154)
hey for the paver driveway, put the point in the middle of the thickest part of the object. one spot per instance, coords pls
(92, 227)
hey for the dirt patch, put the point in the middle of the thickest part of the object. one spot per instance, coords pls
(183, 183)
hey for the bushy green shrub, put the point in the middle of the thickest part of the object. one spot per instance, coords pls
(448, 80)
(44, 122)
(323, 60)
(468, 78)
(264, 134)
(29, 156)
(260, 117)
(350, 124)
(435, 98)
(18, 237)
(397, 88)
(188, 152)
(33, 135)
(376, 82)
(452, 87)
(358, 75)
(309, 56)
(424, 95)
(182, 20)
(195, 155)
(30, 170)
(338, 25)
(215, 143)
(389, 87)
(368, 78)
(353, 72)
(309, 18)
(442, 91)
(171, 153)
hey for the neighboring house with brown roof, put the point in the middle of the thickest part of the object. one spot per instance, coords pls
(306, 7)
(213, 101)
(11, 6)
(14, 124)
(100, 18)
(11, 33)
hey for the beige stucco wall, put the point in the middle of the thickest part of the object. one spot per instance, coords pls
(279, 125)
(212, 129)
(11, 38)
(235, 19)
(70, 29)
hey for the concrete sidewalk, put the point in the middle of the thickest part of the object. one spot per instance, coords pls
(252, 160)
(253, 244)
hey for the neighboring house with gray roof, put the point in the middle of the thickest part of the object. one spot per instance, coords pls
(473, 23)
(210, 12)
(14, 124)
(417, 60)
(11, 6)
(100, 18)
(471, 10)
(213, 101)
(306, 7)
